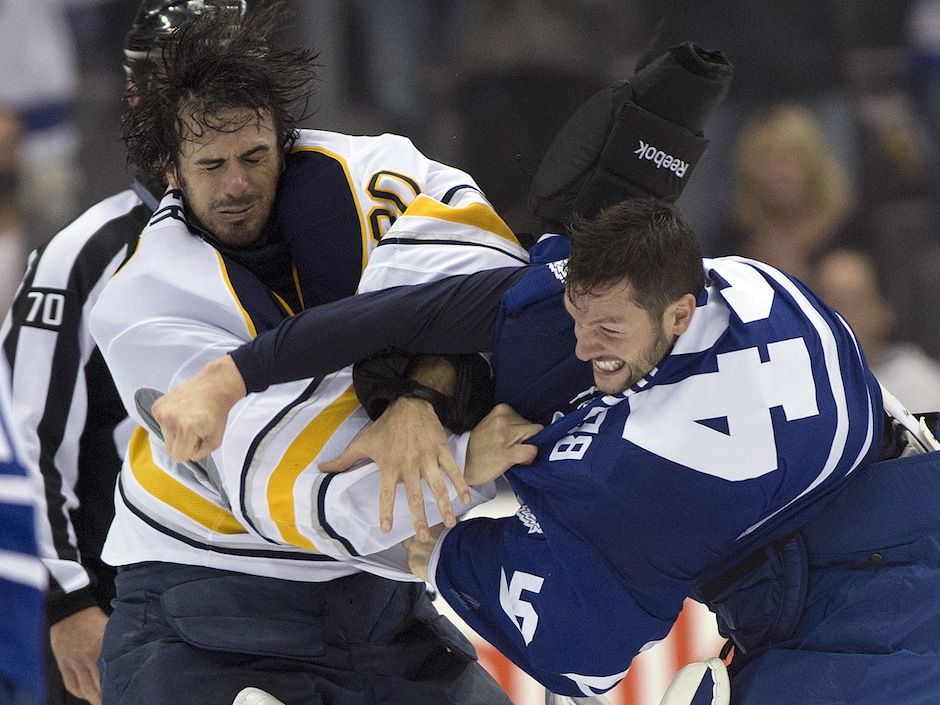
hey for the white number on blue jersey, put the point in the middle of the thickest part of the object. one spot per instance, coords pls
(520, 611)
(719, 422)
(575, 445)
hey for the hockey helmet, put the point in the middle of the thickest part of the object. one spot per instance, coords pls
(157, 19)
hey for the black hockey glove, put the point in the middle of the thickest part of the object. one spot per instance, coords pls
(640, 137)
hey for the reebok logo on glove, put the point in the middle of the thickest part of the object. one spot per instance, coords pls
(661, 159)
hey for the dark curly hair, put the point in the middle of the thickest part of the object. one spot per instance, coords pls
(644, 241)
(209, 66)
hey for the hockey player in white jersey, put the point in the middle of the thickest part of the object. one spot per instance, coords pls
(73, 425)
(261, 221)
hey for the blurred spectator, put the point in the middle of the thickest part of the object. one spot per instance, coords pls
(924, 46)
(38, 81)
(782, 52)
(791, 194)
(396, 48)
(12, 245)
(849, 281)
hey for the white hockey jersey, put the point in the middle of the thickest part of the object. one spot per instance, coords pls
(178, 303)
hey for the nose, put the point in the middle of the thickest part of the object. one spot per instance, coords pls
(236, 181)
(587, 347)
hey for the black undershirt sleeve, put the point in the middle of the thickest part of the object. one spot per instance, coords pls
(452, 315)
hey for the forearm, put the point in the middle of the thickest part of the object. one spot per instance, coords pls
(453, 315)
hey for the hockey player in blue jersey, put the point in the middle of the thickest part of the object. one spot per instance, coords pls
(725, 452)
(22, 575)
(722, 448)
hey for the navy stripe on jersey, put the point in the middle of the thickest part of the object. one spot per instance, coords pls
(449, 196)
(202, 545)
(252, 449)
(424, 241)
(324, 522)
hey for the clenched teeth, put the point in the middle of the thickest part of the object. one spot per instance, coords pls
(608, 365)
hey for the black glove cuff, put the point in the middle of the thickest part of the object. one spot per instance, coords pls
(441, 404)
(380, 380)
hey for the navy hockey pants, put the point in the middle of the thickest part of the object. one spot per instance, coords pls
(848, 611)
(184, 635)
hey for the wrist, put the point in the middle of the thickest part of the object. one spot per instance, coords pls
(226, 380)
(437, 401)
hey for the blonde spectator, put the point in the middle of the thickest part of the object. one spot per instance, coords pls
(792, 195)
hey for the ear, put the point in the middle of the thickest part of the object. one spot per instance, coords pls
(678, 315)
(171, 178)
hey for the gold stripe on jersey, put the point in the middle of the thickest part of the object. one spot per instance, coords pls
(363, 228)
(231, 289)
(133, 252)
(302, 451)
(284, 305)
(478, 215)
(296, 278)
(167, 489)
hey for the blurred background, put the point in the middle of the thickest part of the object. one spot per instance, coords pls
(824, 158)
(827, 139)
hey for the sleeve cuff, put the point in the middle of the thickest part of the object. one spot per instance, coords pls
(60, 605)
(249, 368)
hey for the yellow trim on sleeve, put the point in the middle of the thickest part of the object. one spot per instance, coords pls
(479, 215)
(167, 489)
(297, 458)
(228, 283)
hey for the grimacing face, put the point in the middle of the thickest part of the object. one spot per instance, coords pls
(229, 177)
(622, 341)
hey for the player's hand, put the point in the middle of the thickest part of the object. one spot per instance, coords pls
(409, 445)
(419, 552)
(192, 416)
(496, 444)
(76, 644)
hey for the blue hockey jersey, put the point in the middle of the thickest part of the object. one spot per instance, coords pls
(761, 409)
(22, 575)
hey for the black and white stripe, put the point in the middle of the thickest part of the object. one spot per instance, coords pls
(64, 401)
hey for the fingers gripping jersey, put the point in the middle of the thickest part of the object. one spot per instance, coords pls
(762, 408)
(277, 438)
(253, 508)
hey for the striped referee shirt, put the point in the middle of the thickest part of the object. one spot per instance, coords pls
(70, 418)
